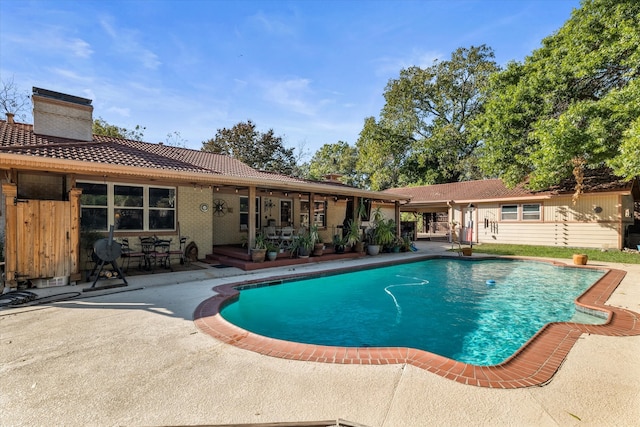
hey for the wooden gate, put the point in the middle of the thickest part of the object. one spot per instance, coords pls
(41, 237)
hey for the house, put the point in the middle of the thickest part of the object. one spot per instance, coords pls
(58, 179)
(486, 211)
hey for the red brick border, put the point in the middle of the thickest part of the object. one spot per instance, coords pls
(534, 364)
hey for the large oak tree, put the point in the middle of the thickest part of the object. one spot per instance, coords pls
(339, 158)
(423, 134)
(573, 104)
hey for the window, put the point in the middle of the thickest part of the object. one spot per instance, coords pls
(524, 212)
(244, 213)
(318, 216)
(94, 206)
(162, 213)
(128, 209)
(531, 212)
(509, 212)
(131, 207)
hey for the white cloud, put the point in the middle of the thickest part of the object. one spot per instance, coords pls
(391, 66)
(70, 75)
(272, 25)
(121, 111)
(292, 94)
(126, 42)
(80, 48)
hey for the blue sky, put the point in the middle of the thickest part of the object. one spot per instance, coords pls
(310, 70)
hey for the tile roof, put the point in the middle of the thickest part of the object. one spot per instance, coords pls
(153, 159)
(600, 180)
(19, 138)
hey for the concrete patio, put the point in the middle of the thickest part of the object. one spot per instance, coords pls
(133, 356)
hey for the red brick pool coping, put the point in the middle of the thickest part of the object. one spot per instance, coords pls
(534, 364)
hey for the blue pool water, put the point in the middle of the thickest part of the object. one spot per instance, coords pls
(446, 306)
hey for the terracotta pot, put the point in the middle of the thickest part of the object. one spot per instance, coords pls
(580, 259)
(318, 249)
(258, 255)
(467, 251)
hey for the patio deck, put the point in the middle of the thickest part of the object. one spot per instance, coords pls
(237, 256)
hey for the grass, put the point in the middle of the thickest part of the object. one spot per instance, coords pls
(554, 252)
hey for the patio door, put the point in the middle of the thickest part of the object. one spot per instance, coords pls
(286, 212)
(467, 224)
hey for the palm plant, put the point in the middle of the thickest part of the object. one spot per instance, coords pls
(353, 233)
(302, 244)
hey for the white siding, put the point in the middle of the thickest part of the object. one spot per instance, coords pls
(562, 224)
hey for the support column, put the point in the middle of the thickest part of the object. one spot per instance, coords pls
(397, 212)
(251, 232)
(74, 233)
(10, 192)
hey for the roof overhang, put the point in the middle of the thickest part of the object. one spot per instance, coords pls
(205, 178)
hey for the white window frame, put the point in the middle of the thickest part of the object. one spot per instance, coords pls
(502, 213)
(531, 215)
(520, 214)
(245, 227)
(111, 208)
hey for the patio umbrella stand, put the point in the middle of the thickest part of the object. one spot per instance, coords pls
(106, 251)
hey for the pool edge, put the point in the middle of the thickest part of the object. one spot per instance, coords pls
(534, 364)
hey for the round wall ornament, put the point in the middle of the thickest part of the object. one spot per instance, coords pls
(204, 207)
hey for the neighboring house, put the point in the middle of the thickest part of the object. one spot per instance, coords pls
(486, 211)
(58, 179)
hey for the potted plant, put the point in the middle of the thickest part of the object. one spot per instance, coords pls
(385, 233)
(397, 243)
(354, 236)
(339, 244)
(406, 244)
(272, 251)
(318, 245)
(259, 250)
(302, 245)
(381, 233)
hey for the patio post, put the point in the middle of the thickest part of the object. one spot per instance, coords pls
(251, 232)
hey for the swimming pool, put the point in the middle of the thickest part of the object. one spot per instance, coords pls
(443, 306)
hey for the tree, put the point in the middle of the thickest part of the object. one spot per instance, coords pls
(428, 111)
(101, 127)
(263, 151)
(175, 139)
(573, 104)
(338, 158)
(12, 100)
(381, 155)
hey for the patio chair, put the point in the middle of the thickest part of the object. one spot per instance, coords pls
(286, 236)
(147, 245)
(271, 234)
(180, 251)
(128, 253)
(161, 250)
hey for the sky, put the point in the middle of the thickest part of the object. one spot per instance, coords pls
(312, 71)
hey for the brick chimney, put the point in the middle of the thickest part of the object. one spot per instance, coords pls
(10, 119)
(61, 115)
(333, 177)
